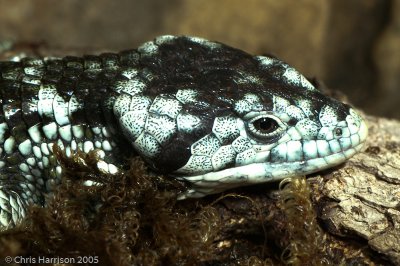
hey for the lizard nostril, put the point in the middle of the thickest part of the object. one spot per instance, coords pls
(338, 132)
(292, 122)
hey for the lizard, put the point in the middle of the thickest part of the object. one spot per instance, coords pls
(197, 110)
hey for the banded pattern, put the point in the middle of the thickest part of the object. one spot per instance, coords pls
(197, 110)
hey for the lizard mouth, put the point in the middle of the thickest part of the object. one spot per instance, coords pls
(261, 172)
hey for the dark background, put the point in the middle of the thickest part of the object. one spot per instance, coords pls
(352, 46)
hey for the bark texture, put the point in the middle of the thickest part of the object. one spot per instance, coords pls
(362, 199)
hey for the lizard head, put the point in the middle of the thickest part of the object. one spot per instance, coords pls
(220, 118)
(281, 126)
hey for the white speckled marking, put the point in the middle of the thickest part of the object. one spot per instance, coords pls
(37, 152)
(186, 96)
(148, 48)
(164, 39)
(222, 157)
(165, 106)
(292, 76)
(31, 161)
(328, 116)
(24, 168)
(88, 146)
(147, 145)
(106, 145)
(295, 78)
(78, 131)
(44, 149)
(3, 129)
(122, 105)
(225, 128)
(73, 105)
(187, 122)
(303, 149)
(133, 123)
(140, 104)
(162, 128)
(325, 133)
(96, 130)
(25, 147)
(204, 42)
(306, 107)
(207, 145)
(241, 144)
(196, 164)
(242, 107)
(46, 95)
(60, 108)
(280, 104)
(295, 112)
(266, 61)
(50, 131)
(97, 144)
(254, 101)
(130, 86)
(102, 166)
(35, 134)
(9, 145)
(130, 73)
(307, 129)
(65, 132)
(246, 157)
(112, 169)
(58, 171)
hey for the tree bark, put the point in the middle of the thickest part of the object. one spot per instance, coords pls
(362, 198)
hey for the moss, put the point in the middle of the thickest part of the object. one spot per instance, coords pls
(134, 218)
(306, 239)
(128, 220)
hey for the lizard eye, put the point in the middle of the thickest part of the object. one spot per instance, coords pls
(265, 126)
